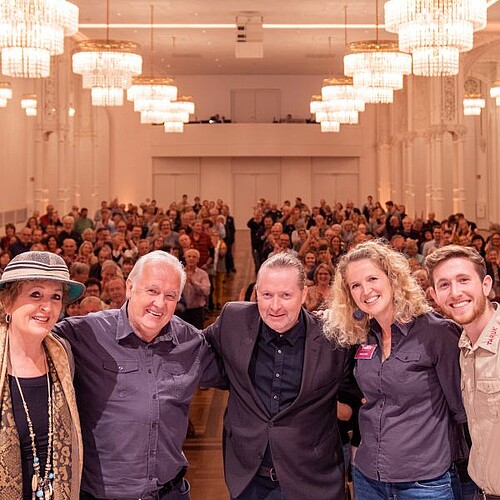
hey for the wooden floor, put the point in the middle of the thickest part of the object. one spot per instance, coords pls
(204, 451)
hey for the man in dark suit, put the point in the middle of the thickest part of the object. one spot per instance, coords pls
(280, 433)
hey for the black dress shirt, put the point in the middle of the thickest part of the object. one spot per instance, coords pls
(133, 398)
(276, 368)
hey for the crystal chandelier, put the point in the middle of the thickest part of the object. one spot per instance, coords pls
(473, 104)
(339, 94)
(29, 104)
(151, 94)
(107, 67)
(317, 106)
(435, 31)
(495, 92)
(31, 31)
(377, 67)
(5, 94)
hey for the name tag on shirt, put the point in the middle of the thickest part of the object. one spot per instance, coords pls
(365, 351)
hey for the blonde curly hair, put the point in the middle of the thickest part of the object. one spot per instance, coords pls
(409, 299)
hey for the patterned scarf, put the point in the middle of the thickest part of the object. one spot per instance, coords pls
(67, 445)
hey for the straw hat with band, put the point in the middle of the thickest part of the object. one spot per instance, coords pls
(29, 266)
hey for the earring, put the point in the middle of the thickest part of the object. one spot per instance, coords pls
(8, 317)
(358, 314)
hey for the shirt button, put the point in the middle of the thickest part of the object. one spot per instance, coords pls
(154, 396)
(120, 368)
(271, 424)
(275, 397)
(277, 375)
(279, 351)
(149, 370)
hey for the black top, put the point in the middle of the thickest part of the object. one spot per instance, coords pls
(276, 368)
(35, 395)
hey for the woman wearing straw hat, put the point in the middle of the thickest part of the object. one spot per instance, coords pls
(40, 441)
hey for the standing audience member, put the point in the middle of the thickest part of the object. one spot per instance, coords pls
(407, 369)
(136, 371)
(196, 290)
(461, 287)
(40, 439)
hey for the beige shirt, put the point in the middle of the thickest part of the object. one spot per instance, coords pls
(481, 393)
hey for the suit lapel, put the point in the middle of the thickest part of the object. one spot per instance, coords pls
(247, 345)
(312, 351)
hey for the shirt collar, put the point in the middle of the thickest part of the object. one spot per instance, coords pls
(290, 336)
(124, 329)
(489, 338)
(403, 328)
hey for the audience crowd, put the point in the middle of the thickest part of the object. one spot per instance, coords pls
(321, 234)
(100, 251)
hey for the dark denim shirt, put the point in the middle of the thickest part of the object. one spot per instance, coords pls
(413, 409)
(133, 398)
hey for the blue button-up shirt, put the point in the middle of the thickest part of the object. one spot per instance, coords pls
(410, 423)
(133, 398)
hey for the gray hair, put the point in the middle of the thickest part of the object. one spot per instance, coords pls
(283, 260)
(159, 257)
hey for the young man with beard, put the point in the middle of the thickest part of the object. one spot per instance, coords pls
(461, 287)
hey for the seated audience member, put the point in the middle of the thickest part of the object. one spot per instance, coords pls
(91, 304)
(23, 243)
(116, 292)
(93, 288)
(68, 231)
(411, 251)
(79, 271)
(10, 236)
(127, 266)
(318, 293)
(478, 242)
(72, 309)
(69, 251)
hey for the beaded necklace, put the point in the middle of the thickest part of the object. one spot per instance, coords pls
(41, 487)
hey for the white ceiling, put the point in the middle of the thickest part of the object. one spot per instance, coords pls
(204, 49)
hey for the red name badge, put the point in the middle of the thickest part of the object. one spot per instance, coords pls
(365, 351)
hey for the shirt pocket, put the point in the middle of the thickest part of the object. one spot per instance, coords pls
(407, 363)
(488, 398)
(176, 374)
(127, 375)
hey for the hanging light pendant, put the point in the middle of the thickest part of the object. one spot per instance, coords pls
(473, 104)
(377, 67)
(5, 93)
(495, 92)
(29, 103)
(31, 31)
(107, 67)
(151, 94)
(435, 31)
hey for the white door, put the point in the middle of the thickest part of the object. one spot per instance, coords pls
(248, 188)
(335, 187)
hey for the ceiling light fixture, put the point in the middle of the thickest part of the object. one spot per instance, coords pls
(151, 94)
(29, 104)
(495, 92)
(107, 67)
(5, 93)
(435, 31)
(473, 104)
(378, 66)
(31, 32)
